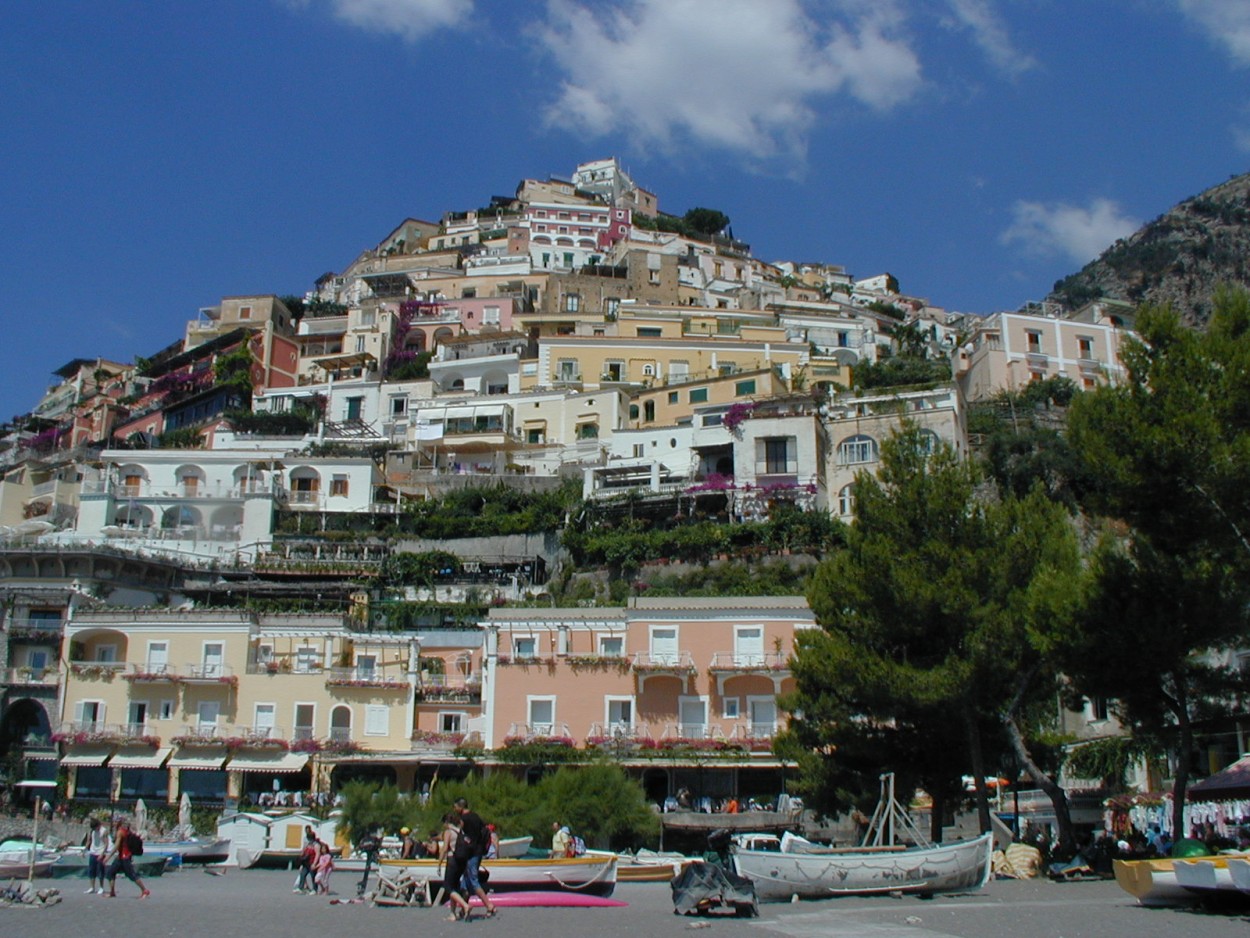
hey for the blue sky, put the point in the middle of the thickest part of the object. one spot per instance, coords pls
(156, 156)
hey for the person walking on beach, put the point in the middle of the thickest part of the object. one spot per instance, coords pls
(307, 857)
(473, 844)
(123, 860)
(453, 860)
(96, 844)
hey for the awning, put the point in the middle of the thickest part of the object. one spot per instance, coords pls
(198, 759)
(1228, 783)
(268, 761)
(86, 755)
(140, 757)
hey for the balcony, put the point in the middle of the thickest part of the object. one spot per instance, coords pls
(151, 674)
(726, 664)
(366, 678)
(208, 674)
(96, 670)
(538, 734)
(426, 740)
(647, 664)
(618, 737)
(36, 630)
(29, 677)
(203, 734)
(91, 731)
(464, 688)
(303, 499)
(757, 737)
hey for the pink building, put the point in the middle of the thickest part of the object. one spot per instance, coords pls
(683, 692)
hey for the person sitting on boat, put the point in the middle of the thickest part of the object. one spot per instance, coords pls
(560, 840)
(407, 844)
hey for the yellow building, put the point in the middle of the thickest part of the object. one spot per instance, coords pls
(228, 704)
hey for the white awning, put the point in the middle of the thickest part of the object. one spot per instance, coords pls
(198, 759)
(140, 757)
(277, 761)
(86, 755)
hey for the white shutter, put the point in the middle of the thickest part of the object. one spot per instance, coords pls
(377, 720)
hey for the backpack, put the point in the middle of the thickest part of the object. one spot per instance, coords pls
(577, 846)
(134, 843)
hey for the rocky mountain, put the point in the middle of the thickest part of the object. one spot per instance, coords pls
(1179, 258)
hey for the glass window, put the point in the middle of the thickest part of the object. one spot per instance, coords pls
(857, 449)
(743, 388)
(698, 396)
(525, 646)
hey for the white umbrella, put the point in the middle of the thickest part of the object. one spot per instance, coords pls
(184, 815)
(141, 818)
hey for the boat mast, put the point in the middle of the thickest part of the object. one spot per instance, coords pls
(889, 818)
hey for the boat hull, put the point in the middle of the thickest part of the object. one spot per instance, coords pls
(12, 869)
(1157, 883)
(956, 867)
(71, 865)
(594, 876)
(216, 850)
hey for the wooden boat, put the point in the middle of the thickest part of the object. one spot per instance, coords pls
(15, 869)
(956, 867)
(510, 848)
(73, 863)
(647, 866)
(877, 866)
(193, 850)
(592, 874)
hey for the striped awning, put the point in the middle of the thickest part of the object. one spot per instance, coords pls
(259, 761)
(198, 759)
(140, 757)
(86, 755)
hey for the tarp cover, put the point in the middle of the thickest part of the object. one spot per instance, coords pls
(1231, 782)
(702, 886)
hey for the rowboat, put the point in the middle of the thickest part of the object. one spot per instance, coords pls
(647, 866)
(73, 863)
(20, 869)
(955, 867)
(876, 866)
(593, 874)
(191, 850)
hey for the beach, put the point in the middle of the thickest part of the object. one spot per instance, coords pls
(195, 904)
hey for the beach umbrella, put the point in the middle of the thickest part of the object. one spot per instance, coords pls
(184, 814)
(141, 818)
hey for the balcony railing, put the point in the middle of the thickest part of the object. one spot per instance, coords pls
(679, 662)
(692, 731)
(302, 733)
(91, 731)
(364, 677)
(29, 628)
(754, 735)
(152, 673)
(208, 673)
(751, 662)
(619, 734)
(535, 732)
(204, 734)
(450, 687)
(340, 734)
(31, 677)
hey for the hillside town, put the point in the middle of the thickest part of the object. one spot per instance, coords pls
(197, 548)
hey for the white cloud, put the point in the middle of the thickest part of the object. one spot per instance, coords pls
(741, 75)
(991, 35)
(1226, 22)
(1080, 234)
(409, 19)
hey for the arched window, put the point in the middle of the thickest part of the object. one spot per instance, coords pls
(846, 500)
(341, 723)
(857, 449)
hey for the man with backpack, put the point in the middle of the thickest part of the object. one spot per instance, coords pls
(126, 847)
(474, 842)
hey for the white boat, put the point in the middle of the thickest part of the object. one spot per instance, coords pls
(956, 867)
(593, 874)
(192, 850)
(1165, 881)
(510, 848)
(1239, 872)
(877, 866)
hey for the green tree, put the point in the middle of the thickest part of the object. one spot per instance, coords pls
(936, 613)
(706, 221)
(1169, 451)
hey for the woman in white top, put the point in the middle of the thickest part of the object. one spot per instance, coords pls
(97, 844)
